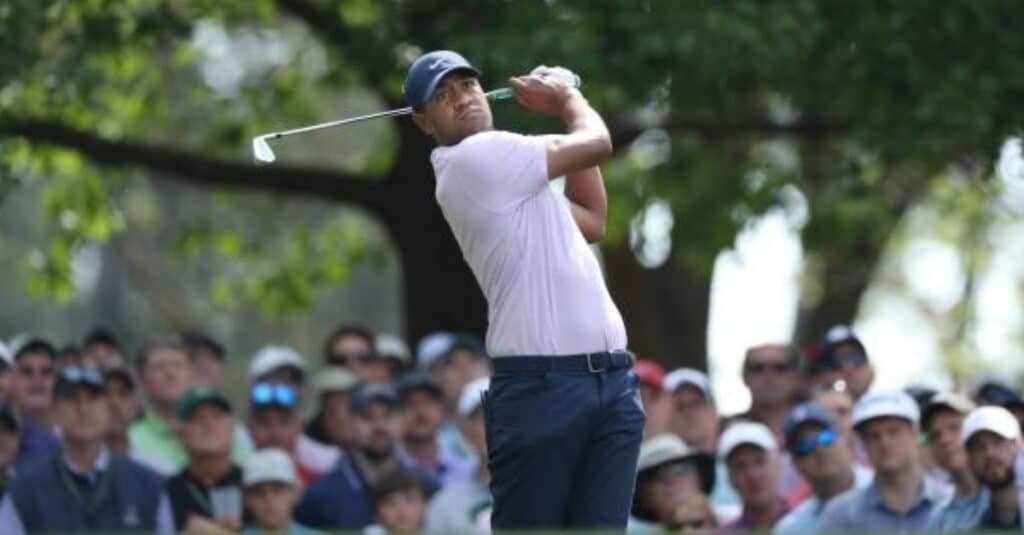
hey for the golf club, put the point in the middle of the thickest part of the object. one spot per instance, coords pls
(261, 146)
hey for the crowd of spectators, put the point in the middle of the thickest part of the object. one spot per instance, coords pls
(373, 437)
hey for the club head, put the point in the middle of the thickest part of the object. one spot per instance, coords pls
(261, 149)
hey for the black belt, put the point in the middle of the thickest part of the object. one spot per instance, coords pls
(583, 362)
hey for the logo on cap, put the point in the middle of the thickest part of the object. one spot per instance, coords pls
(438, 63)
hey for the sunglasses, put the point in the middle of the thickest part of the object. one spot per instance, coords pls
(673, 470)
(341, 358)
(273, 394)
(811, 444)
(41, 371)
(777, 367)
(855, 360)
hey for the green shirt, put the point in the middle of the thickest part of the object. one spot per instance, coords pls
(154, 443)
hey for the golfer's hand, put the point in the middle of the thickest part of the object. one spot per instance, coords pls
(543, 94)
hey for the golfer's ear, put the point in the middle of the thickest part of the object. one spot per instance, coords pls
(423, 123)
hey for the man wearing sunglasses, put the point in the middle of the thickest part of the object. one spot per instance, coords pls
(843, 353)
(772, 374)
(824, 459)
(668, 471)
(275, 422)
(900, 499)
(32, 388)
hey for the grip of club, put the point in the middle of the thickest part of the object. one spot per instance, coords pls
(506, 93)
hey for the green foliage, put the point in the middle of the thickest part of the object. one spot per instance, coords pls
(868, 99)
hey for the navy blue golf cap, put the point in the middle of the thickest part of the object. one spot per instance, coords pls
(425, 73)
(806, 413)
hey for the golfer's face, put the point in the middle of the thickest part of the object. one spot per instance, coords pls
(458, 108)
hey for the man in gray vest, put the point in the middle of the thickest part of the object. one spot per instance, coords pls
(84, 487)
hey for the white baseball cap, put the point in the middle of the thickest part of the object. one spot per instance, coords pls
(472, 395)
(269, 465)
(742, 433)
(993, 419)
(270, 358)
(687, 376)
(882, 403)
(5, 354)
(393, 347)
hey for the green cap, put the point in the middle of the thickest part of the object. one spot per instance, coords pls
(196, 396)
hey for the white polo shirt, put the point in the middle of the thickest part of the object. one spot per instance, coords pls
(544, 288)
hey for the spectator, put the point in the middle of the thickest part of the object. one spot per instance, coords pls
(272, 489)
(333, 423)
(347, 344)
(694, 418)
(384, 364)
(9, 438)
(101, 348)
(165, 372)
(33, 394)
(401, 503)
(206, 495)
(275, 422)
(463, 506)
(651, 384)
(341, 499)
(751, 454)
(124, 408)
(6, 365)
(84, 487)
(667, 472)
(772, 374)
(992, 437)
(824, 459)
(995, 392)
(942, 421)
(455, 360)
(900, 498)
(208, 356)
(70, 355)
(278, 364)
(422, 403)
(843, 352)
(693, 514)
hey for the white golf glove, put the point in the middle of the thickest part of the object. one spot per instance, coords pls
(560, 72)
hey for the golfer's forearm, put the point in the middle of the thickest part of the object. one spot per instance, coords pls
(586, 127)
(588, 201)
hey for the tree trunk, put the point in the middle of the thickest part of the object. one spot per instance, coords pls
(440, 292)
(665, 309)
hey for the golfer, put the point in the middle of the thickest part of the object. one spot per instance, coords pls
(563, 418)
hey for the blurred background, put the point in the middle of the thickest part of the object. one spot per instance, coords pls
(780, 168)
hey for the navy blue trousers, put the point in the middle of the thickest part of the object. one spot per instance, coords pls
(562, 447)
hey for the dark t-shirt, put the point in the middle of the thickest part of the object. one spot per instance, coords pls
(189, 496)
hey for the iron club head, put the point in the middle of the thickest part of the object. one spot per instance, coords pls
(261, 149)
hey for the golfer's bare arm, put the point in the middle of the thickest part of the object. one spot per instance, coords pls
(576, 155)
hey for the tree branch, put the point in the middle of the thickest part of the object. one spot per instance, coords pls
(203, 170)
(333, 30)
(625, 131)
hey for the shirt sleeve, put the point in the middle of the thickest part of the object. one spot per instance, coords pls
(500, 170)
(10, 521)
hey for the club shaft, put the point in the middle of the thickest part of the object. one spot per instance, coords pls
(340, 122)
(497, 94)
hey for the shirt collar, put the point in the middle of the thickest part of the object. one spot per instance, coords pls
(929, 492)
(101, 464)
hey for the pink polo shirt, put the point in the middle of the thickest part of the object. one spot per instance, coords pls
(544, 288)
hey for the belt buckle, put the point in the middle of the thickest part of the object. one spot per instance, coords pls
(590, 363)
